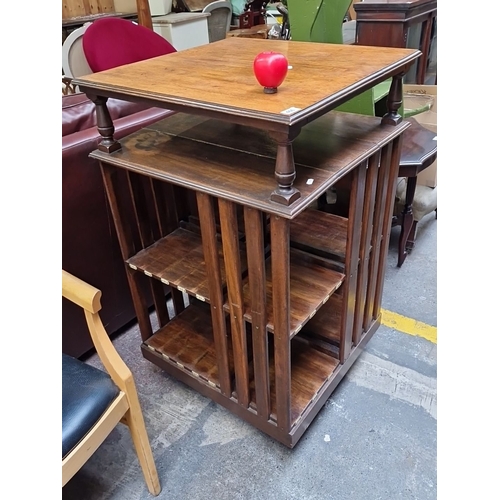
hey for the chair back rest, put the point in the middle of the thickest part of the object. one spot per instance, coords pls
(317, 20)
(221, 12)
(112, 42)
(74, 62)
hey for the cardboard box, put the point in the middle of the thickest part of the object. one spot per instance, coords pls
(427, 118)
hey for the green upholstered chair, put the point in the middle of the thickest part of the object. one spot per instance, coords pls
(317, 20)
(321, 21)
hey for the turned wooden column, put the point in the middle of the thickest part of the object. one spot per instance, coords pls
(104, 125)
(284, 171)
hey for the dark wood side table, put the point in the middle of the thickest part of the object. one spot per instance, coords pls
(387, 23)
(418, 152)
(273, 300)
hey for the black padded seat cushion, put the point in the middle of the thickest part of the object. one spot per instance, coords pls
(87, 393)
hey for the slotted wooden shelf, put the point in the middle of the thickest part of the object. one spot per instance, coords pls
(321, 233)
(177, 260)
(326, 323)
(311, 369)
(311, 285)
(187, 343)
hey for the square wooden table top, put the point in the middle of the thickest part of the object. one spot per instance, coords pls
(217, 79)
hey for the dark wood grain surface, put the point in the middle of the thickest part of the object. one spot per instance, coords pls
(239, 168)
(218, 78)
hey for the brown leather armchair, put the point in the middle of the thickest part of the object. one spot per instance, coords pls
(90, 247)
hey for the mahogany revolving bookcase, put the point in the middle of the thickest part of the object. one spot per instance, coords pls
(273, 299)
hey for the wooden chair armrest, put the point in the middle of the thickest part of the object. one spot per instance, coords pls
(80, 293)
(89, 298)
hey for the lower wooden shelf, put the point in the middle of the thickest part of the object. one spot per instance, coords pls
(311, 369)
(186, 343)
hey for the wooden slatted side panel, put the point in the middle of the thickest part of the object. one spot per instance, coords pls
(280, 263)
(365, 244)
(352, 256)
(125, 239)
(211, 255)
(149, 231)
(232, 264)
(393, 151)
(254, 226)
(375, 254)
(384, 205)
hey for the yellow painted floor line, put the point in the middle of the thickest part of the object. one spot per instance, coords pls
(409, 325)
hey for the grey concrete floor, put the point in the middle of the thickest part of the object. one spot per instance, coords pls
(375, 438)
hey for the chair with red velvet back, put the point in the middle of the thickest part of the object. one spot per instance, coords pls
(112, 42)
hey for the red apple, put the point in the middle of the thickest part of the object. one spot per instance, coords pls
(270, 69)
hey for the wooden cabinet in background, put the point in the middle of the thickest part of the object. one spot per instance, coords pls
(401, 23)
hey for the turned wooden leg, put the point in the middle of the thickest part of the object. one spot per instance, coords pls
(411, 237)
(406, 219)
(394, 101)
(104, 125)
(284, 171)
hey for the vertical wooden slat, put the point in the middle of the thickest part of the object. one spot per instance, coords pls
(387, 221)
(232, 264)
(144, 14)
(280, 264)
(166, 215)
(257, 282)
(136, 188)
(352, 260)
(148, 228)
(365, 243)
(373, 266)
(211, 255)
(127, 248)
(163, 198)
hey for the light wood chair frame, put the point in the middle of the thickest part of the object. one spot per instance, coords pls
(125, 408)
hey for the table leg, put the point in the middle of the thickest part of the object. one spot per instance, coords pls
(104, 125)
(411, 237)
(407, 222)
(284, 171)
